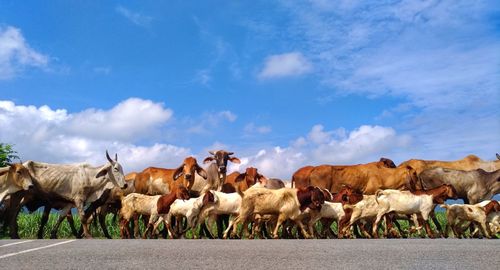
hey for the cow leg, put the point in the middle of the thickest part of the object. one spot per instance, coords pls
(71, 223)
(43, 222)
(101, 216)
(83, 218)
(221, 219)
(12, 213)
(62, 215)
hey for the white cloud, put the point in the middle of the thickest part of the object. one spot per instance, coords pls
(41, 133)
(283, 65)
(128, 120)
(16, 54)
(135, 17)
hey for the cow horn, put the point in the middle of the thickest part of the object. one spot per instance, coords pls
(230, 153)
(107, 156)
(498, 156)
(116, 157)
(211, 152)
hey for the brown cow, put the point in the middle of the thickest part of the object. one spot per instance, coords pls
(366, 178)
(310, 175)
(242, 180)
(468, 163)
(157, 181)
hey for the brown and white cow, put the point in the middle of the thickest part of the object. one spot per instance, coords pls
(13, 178)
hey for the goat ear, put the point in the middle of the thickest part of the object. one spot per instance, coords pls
(102, 172)
(208, 159)
(178, 172)
(201, 172)
(240, 177)
(235, 160)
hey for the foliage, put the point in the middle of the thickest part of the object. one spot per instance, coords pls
(7, 154)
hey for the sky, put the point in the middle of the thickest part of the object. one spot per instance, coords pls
(282, 84)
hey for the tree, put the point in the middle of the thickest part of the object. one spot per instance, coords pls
(7, 154)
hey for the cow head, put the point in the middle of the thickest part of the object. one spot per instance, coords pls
(18, 175)
(188, 169)
(387, 162)
(221, 157)
(182, 193)
(412, 180)
(251, 177)
(114, 171)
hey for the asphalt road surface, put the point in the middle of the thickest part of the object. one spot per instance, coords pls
(250, 254)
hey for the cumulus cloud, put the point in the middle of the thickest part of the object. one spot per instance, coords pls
(16, 54)
(284, 65)
(128, 120)
(42, 133)
(135, 17)
(363, 144)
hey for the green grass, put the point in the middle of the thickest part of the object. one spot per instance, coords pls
(29, 224)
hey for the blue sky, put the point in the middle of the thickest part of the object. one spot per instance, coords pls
(281, 83)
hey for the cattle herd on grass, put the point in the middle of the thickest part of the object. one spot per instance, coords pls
(365, 200)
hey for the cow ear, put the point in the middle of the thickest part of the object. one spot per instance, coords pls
(240, 177)
(201, 172)
(4, 170)
(102, 172)
(235, 160)
(208, 159)
(178, 172)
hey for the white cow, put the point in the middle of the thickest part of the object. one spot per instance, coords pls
(79, 184)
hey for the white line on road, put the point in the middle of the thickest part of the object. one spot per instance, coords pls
(16, 243)
(34, 249)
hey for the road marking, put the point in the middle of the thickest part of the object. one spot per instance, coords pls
(34, 249)
(16, 243)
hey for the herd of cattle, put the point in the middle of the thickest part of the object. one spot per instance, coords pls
(361, 199)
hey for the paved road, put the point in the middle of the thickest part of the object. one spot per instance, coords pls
(250, 254)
